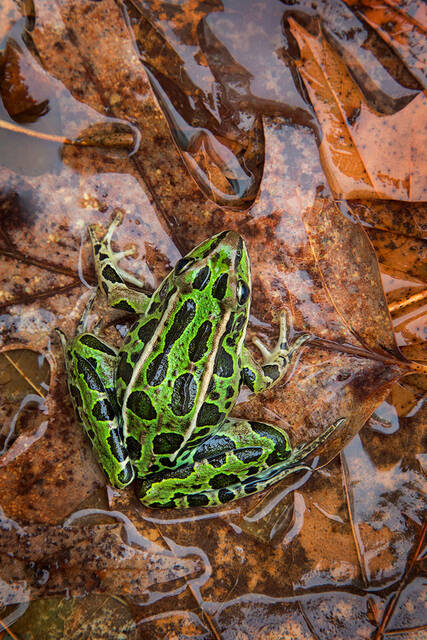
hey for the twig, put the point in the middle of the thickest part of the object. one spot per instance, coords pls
(4, 627)
(24, 299)
(123, 140)
(24, 375)
(402, 584)
(353, 527)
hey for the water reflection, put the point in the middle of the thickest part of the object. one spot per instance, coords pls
(253, 137)
(386, 502)
(215, 73)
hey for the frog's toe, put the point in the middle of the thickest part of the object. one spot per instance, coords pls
(116, 221)
(285, 324)
(266, 353)
(126, 475)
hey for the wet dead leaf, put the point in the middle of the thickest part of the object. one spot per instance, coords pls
(351, 276)
(24, 371)
(406, 218)
(23, 386)
(22, 105)
(43, 618)
(400, 256)
(364, 153)
(403, 30)
(74, 560)
(39, 482)
(384, 461)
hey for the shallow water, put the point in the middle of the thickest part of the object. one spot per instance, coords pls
(299, 125)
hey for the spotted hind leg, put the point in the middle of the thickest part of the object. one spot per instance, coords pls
(241, 458)
(90, 367)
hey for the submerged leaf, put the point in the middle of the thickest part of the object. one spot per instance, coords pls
(364, 153)
(385, 486)
(400, 256)
(44, 561)
(404, 32)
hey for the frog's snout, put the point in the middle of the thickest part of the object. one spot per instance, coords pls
(232, 238)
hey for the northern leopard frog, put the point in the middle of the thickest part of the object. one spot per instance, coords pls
(158, 408)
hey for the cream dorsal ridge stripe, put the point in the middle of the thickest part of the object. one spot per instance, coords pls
(206, 378)
(147, 348)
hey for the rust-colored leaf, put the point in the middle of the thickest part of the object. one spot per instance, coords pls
(39, 481)
(383, 465)
(364, 153)
(406, 218)
(404, 32)
(399, 255)
(350, 274)
(23, 386)
(49, 561)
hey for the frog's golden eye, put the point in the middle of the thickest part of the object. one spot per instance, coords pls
(242, 292)
(182, 265)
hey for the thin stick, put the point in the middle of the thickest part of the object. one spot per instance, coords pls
(24, 375)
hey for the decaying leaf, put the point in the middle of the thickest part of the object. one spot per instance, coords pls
(364, 153)
(388, 519)
(74, 560)
(406, 218)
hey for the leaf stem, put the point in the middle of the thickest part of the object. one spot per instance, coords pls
(120, 141)
(361, 352)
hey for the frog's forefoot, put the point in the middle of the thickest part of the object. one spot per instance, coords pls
(106, 257)
(283, 349)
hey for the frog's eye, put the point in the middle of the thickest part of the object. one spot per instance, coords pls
(242, 292)
(182, 265)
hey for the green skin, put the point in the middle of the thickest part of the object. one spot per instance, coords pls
(158, 409)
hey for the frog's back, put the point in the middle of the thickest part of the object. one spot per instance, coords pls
(178, 373)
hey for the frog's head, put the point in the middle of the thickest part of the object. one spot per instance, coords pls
(218, 272)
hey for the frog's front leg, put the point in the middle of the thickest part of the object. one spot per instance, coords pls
(91, 365)
(276, 362)
(113, 279)
(240, 458)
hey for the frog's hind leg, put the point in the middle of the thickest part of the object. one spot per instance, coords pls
(91, 364)
(240, 458)
(113, 279)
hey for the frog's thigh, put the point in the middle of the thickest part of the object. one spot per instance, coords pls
(91, 365)
(228, 465)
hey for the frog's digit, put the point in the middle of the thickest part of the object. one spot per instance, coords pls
(112, 278)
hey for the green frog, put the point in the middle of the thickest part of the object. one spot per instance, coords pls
(157, 410)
